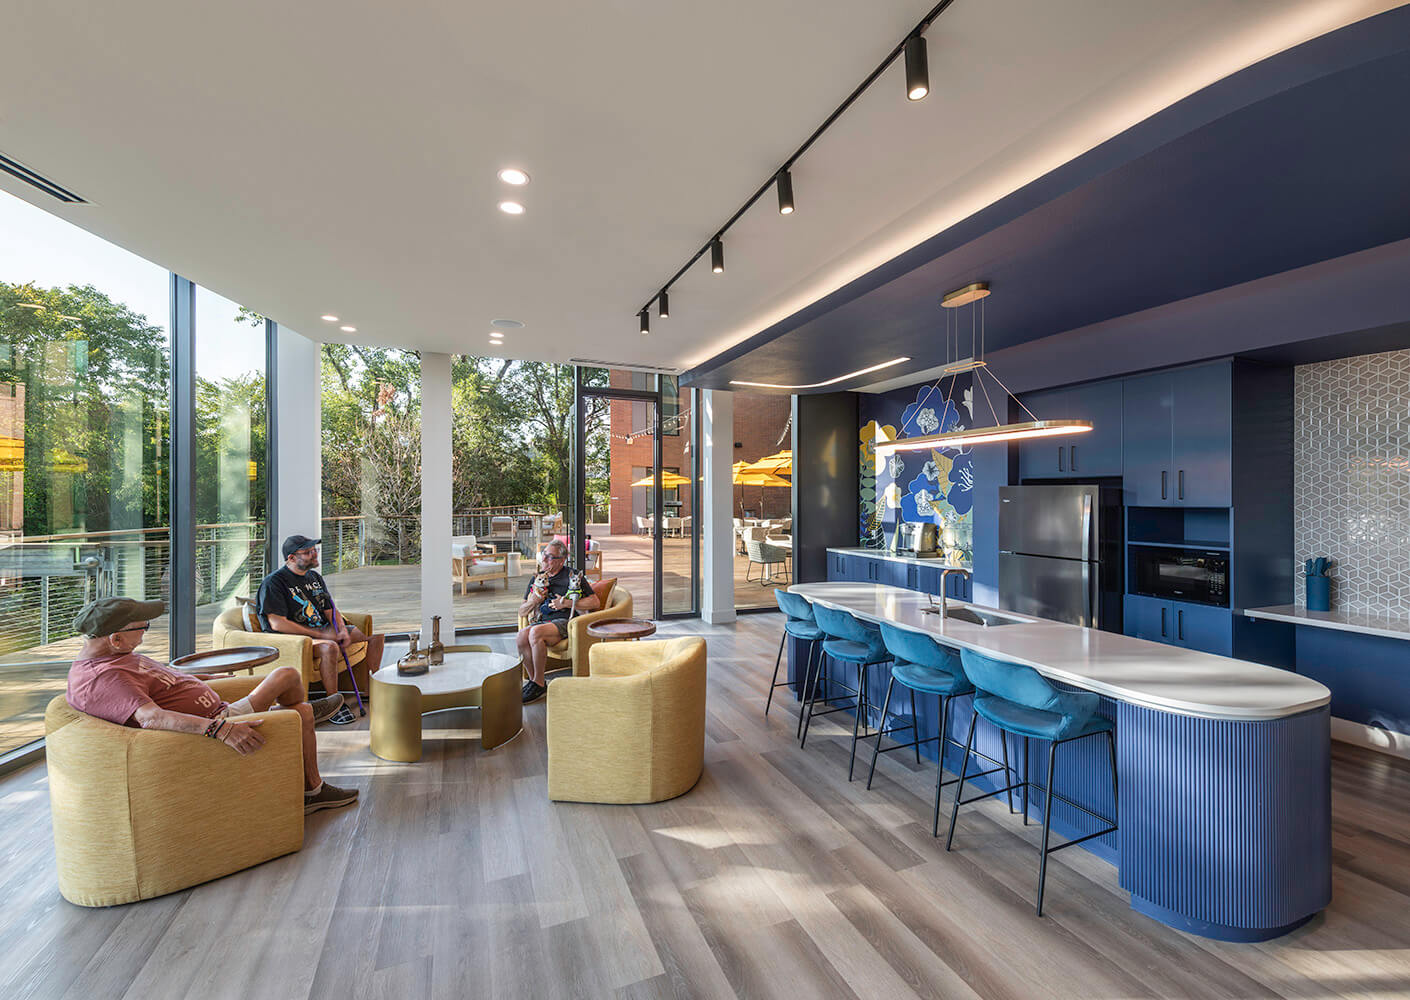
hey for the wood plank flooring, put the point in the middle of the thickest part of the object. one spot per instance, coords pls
(774, 877)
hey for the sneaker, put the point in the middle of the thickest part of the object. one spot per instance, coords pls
(533, 692)
(326, 708)
(329, 797)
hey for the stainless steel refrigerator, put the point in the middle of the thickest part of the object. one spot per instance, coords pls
(1060, 553)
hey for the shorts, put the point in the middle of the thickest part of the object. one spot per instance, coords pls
(241, 707)
(562, 624)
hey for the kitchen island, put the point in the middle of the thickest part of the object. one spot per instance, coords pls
(1224, 798)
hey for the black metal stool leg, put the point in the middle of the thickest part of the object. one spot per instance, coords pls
(915, 726)
(880, 731)
(1026, 765)
(813, 647)
(1004, 742)
(778, 660)
(940, 763)
(813, 697)
(1047, 825)
(857, 720)
(959, 788)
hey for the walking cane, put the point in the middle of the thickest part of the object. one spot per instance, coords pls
(361, 708)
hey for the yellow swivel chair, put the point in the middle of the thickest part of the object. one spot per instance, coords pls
(238, 626)
(573, 651)
(634, 729)
(140, 813)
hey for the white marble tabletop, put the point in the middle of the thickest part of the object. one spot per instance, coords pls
(459, 672)
(1135, 671)
(1386, 626)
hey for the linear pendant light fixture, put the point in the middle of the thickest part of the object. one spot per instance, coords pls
(912, 50)
(976, 292)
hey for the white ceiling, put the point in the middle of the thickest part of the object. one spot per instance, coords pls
(322, 156)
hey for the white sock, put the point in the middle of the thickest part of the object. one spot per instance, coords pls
(313, 791)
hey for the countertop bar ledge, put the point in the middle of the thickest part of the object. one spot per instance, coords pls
(1384, 626)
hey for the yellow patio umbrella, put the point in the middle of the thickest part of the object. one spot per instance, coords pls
(669, 480)
(780, 464)
(744, 476)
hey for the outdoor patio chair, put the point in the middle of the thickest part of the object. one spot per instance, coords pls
(739, 535)
(471, 562)
(502, 533)
(672, 526)
(766, 555)
(643, 526)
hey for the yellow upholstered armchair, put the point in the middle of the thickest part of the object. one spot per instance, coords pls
(633, 730)
(573, 651)
(139, 813)
(238, 626)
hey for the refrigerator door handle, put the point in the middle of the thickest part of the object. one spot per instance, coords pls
(1087, 621)
(1089, 549)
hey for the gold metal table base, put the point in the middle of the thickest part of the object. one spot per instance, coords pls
(398, 704)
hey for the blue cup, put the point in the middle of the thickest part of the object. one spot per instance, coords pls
(1319, 593)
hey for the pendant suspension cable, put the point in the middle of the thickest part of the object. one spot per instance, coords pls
(992, 412)
(1013, 397)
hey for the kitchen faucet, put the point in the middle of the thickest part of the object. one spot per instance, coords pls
(944, 573)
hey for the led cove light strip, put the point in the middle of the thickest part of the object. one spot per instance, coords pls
(984, 435)
(831, 381)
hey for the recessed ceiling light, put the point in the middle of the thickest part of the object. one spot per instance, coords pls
(329, 318)
(511, 208)
(348, 329)
(515, 176)
(507, 324)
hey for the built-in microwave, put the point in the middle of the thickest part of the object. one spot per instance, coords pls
(1197, 575)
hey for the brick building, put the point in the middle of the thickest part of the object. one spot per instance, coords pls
(760, 428)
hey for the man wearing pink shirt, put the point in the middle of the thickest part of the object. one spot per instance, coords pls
(111, 680)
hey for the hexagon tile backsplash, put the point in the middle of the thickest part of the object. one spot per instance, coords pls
(1351, 479)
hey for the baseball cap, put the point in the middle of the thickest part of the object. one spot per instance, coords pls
(107, 615)
(294, 543)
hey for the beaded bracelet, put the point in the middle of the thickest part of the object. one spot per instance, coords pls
(214, 728)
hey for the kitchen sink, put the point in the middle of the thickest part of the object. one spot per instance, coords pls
(986, 618)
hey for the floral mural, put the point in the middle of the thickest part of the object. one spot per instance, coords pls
(935, 486)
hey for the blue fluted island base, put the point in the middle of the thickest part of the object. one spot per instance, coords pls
(1225, 823)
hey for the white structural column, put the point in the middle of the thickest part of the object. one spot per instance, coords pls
(717, 506)
(298, 401)
(435, 495)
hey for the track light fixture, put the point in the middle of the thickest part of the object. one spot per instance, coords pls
(912, 49)
(785, 193)
(663, 302)
(645, 318)
(917, 69)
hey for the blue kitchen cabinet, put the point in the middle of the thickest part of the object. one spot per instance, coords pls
(1094, 453)
(1178, 438)
(1193, 626)
(1202, 436)
(893, 574)
(1147, 406)
(1205, 628)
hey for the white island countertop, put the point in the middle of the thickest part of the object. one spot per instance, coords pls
(901, 557)
(1135, 671)
(1343, 621)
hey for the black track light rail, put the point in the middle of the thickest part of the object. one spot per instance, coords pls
(924, 23)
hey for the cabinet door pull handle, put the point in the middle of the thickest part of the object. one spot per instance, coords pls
(1163, 479)
(1181, 480)
(1162, 623)
(1060, 468)
(1072, 463)
(1180, 625)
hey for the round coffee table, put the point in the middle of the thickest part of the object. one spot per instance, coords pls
(225, 661)
(487, 681)
(621, 629)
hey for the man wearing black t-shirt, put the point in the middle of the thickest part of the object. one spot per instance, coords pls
(548, 608)
(294, 600)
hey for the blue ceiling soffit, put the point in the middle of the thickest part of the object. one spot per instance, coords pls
(1302, 158)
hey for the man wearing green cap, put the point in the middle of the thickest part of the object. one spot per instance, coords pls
(110, 680)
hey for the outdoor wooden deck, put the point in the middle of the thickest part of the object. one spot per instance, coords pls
(392, 594)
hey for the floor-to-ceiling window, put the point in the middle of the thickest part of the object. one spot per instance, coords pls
(371, 452)
(231, 451)
(763, 497)
(84, 403)
(680, 527)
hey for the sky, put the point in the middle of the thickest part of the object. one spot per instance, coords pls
(51, 252)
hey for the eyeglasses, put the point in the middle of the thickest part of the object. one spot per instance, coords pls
(554, 557)
(135, 628)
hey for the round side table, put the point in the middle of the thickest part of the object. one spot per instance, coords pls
(226, 661)
(621, 629)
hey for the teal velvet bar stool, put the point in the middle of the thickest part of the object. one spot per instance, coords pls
(850, 641)
(922, 664)
(1020, 701)
(800, 624)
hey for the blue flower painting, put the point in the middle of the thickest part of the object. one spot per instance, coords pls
(960, 494)
(931, 413)
(919, 500)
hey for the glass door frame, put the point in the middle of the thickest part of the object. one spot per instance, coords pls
(579, 483)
